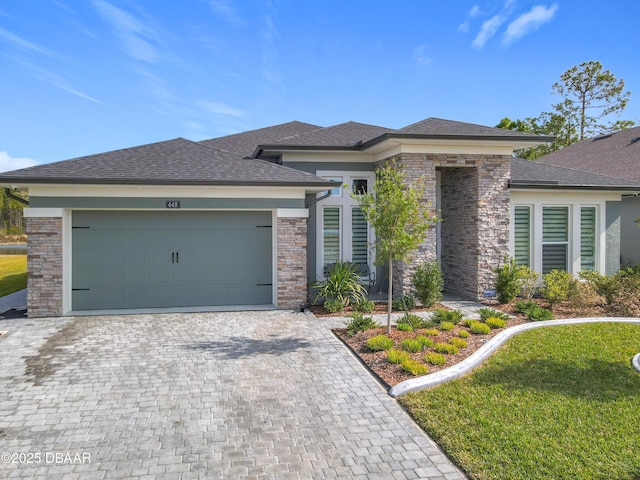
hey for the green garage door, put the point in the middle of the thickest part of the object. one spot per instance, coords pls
(170, 259)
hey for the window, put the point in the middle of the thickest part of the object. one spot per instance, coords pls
(343, 235)
(359, 186)
(337, 191)
(588, 238)
(522, 235)
(331, 235)
(555, 238)
(359, 236)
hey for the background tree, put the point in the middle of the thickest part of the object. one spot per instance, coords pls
(590, 97)
(400, 218)
(590, 94)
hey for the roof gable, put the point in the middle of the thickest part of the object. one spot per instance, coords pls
(440, 127)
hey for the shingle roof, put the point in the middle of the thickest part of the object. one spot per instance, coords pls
(245, 143)
(172, 162)
(616, 155)
(440, 127)
(347, 134)
(531, 174)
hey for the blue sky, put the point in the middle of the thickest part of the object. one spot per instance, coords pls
(87, 76)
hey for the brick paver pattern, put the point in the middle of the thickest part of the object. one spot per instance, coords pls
(250, 395)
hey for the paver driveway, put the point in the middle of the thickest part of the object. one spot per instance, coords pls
(205, 395)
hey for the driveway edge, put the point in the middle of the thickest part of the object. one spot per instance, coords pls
(484, 352)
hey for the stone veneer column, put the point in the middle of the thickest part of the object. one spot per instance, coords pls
(292, 262)
(415, 165)
(44, 262)
(475, 227)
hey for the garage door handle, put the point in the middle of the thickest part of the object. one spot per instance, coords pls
(173, 257)
(177, 257)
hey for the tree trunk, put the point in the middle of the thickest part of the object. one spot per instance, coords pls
(390, 294)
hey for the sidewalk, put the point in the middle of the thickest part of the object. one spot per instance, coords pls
(17, 300)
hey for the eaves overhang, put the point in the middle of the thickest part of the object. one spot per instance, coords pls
(551, 185)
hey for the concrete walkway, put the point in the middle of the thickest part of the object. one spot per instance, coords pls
(251, 395)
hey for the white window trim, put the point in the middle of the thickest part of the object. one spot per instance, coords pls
(346, 203)
(573, 253)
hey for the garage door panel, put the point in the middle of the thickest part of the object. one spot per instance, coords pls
(165, 259)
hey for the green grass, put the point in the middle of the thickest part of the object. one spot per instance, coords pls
(558, 402)
(13, 273)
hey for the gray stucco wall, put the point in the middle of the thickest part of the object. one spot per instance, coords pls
(612, 260)
(629, 231)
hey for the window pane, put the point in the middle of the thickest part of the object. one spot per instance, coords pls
(359, 186)
(588, 238)
(522, 240)
(337, 191)
(554, 257)
(359, 247)
(331, 235)
(555, 224)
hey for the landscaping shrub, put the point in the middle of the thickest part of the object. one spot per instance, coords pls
(626, 300)
(480, 328)
(446, 326)
(508, 280)
(413, 321)
(440, 315)
(528, 282)
(538, 313)
(490, 312)
(424, 341)
(432, 332)
(414, 367)
(397, 356)
(446, 348)
(364, 305)
(435, 358)
(533, 311)
(468, 322)
(463, 334)
(379, 343)
(458, 342)
(495, 322)
(359, 323)
(411, 345)
(333, 305)
(558, 287)
(585, 298)
(405, 327)
(342, 283)
(428, 283)
(406, 303)
(604, 285)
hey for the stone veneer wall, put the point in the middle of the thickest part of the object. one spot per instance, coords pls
(44, 262)
(475, 218)
(416, 165)
(292, 262)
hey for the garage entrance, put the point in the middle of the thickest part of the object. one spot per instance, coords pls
(171, 259)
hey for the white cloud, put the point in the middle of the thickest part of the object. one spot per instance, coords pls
(529, 22)
(474, 12)
(223, 109)
(488, 30)
(421, 56)
(135, 35)
(8, 163)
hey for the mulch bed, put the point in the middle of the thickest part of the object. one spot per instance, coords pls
(391, 374)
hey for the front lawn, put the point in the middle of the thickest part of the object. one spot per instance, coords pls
(558, 402)
(13, 273)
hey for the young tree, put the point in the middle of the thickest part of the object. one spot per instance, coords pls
(400, 219)
(591, 94)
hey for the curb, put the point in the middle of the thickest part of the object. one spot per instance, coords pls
(635, 361)
(484, 352)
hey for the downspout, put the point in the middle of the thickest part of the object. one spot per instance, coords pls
(12, 196)
(313, 201)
